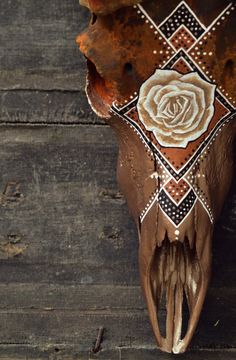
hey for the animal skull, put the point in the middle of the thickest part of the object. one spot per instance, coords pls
(162, 75)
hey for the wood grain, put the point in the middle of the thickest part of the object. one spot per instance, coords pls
(68, 247)
(38, 49)
(70, 214)
(64, 352)
(46, 107)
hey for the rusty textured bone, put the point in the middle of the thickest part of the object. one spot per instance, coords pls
(162, 75)
(104, 7)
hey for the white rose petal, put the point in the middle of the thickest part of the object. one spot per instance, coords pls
(177, 108)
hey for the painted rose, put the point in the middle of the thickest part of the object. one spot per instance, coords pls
(177, 108)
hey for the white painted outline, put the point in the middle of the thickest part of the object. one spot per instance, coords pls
(177, 171)
(209, 213)
(181, 58)
(177, 226)
(212, 24)
(207, 77)
(186, 29)
(201, 71)
(198, 198)
(155, 26)
(189, 9)
(127, 104)
(170, 197)
(141, 217)
(225, 98)
(199, 39)
(193, 154)
(157, 192)
(142, 137)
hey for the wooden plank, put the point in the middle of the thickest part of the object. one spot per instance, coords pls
(54, 352)
(64, 218)
(141, 354)
(74, 297)
(64, 352)
(71, 327)
(61, 205)
(46, 107)
(68, 215)
(68, 248)
(38, 45)
(79, 308)
(99, 297)
(122, 328)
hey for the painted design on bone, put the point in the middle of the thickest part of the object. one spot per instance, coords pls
(177, 108)
(179, 112)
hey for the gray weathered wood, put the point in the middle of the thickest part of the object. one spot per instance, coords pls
(64, 215)
(71, 217)
(65, 352)
(98, 298)
(60, 204)
(38, 49)
(68, 248)
(46, 107)
(123, 328)
(42, 72)
(191, 355)
(75, 311)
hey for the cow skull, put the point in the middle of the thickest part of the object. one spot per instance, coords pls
(162, 75)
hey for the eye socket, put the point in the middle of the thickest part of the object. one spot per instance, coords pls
(128, 68)
(93, 19)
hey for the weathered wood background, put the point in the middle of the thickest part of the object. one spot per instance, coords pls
(68, 248)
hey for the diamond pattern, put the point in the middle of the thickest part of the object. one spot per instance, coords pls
(177, 190)
(182, 16)
(182, 43)
(182, 39)
(177, 213)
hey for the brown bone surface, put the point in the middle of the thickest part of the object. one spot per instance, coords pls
(162, 75)
(104, 7)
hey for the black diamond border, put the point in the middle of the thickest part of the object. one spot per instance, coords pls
(177, 19)
(177, 213)
(177, 174)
